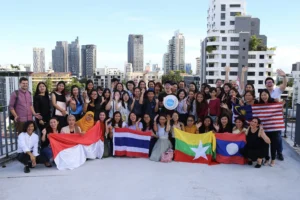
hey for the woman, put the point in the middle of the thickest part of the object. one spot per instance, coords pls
(100, 91)
(72, 127)
(265, 98)
(103, 124)
(151, 85)
(28, 143)
(175, 123)
(89, 86)
(130, 87)
(120, 88)
(76, 103)
(249, 88)
(226, 103)
(201, 106)
(249, 98)
(239, 126)
(214, 105)
(105, 100)
(86, 122)
(257, 143)
(114, 104)
(90, 103)
(59, 103)
(162, 129)
(207, 125)
(41, 104)
(134, 123)
(190, 125)
(193, 87)
(116, 122)
(148, 126)
(182, 105)
(125, 108)
(191, 103)
(142, 85)
(224, 125)
(206, 91)
(158, 89)
(53, 127)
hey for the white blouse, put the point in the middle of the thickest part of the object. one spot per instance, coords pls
(27, 143)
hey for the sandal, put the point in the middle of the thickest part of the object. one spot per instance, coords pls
(266, 162)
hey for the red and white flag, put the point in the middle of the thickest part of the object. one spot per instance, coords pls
(71, 150)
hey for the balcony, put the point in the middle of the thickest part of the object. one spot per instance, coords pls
(269, 61)
(213, 60)
(270, 52)
(210, 69)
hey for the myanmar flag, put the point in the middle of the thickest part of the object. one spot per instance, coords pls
(194, 148)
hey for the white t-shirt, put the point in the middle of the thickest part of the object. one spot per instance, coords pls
(133, 127)
(276, 93)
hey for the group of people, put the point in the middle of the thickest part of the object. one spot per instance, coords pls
(140, 106)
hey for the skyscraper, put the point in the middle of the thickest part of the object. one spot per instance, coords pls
(88, 60)
(136, 52)
(188, 68)
(175, 58)
(230, 33)
(74, 58)
(198, 66)
(38, 60)
(60, 57)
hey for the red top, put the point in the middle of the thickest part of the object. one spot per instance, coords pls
(203, 112)
(214, 107)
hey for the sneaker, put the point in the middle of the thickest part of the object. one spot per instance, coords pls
(280, 157)
(26, 169)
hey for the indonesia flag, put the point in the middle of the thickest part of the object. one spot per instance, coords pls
(131, 143)
(71, 150)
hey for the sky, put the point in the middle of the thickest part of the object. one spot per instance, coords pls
(107, 24)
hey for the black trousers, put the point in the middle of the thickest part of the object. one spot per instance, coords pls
(25, 159)
(274, 143)
(152, 143)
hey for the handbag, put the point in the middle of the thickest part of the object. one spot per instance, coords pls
(167, 156)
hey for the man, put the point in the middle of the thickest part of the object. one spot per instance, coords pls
(150, 104)
(181, 85)
(174, 88)
(276, 94)
(114, 83)
(130, 87)
(168, 91)
(20, 105)
(219, 83)
(136, 105)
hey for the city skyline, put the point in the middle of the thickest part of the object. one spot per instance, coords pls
(121, 19)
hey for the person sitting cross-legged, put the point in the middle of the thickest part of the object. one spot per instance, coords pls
(28, 143)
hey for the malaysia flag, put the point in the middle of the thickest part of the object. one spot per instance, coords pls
(228, 148)
(131, 143)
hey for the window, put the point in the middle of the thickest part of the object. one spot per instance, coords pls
(224, 47)
(232, 22)
(222, 31)
(261, 74)
(210, 81)
(269, 73)
(233, 73)
(223, 64)
(270, 57)
(251, 82)
(223, 73)
(270, 66)
(252, 56)
(223, 7)
(211, 64)
(222, 23)
(234, 39)
(223, 16)
(251, 73)
(211, 73)
(224, 39)
(261, 65)
(224, 56)
(261, 56)
(251, 65)
(235, 5)
(234, 56)
(234, 65)
(235, 13)
(234, 48)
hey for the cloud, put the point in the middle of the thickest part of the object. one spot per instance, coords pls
(286, 56)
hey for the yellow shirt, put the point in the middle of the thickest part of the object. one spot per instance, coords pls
(192, 129)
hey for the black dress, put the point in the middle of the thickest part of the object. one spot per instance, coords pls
(41, 105)
(256, 147)
(61, 119)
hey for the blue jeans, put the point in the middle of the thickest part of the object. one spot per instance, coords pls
(47, 151)
(279, 145)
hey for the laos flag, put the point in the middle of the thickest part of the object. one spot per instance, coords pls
(228, 148)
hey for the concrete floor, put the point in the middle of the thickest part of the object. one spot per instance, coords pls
(141, 179)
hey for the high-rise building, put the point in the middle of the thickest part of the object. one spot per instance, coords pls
(175, 58)
(88, 60)
(296, 84)
(74, 58)
(60, 57)
(38, 59)
(155, 68)
(198, 66)
(136, 52)
(230, 35)
(188, 68)
(128, 68)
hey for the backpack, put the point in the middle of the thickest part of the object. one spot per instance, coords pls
(11, 117)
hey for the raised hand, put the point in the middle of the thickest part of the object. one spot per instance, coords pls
(155, 118)
(87, 100)
(44, 131)
(245, 69)
(198, 125)
(227, 69)
(281, 73)
(217, 127)
(168, 117)
(139, 120)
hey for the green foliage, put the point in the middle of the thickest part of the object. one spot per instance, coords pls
(256, 44)
(290, 83)
(182, 71)
(73, 82)
(172, 76)
(213, 39)
(34, 85)
(238, 14)
(124, 82)
(14, 66)
(49, 84)
(272, 48)
(83, 80)
(209, 49)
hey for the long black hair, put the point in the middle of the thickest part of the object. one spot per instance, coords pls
(113, 121)
(228, 127)
(86, 86)
(37, 91)
(130, 121)
(270, 99)
(145, 124)
(63, 91)
(49, 129)
(79, 96)
(122, 99)
(179, 91)
(202, 129)
(27, 124)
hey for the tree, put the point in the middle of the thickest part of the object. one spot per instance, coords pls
(83, 80)
(172, 76)
(254, 43)
(49, 84)
(209, 49)
(34, 85)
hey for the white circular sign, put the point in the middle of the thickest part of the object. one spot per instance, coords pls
(232, 148)
(170, 102)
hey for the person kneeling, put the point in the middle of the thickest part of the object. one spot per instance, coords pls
(28, 143)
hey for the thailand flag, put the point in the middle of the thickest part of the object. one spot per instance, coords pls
(131, 143)
(71, 150)
(228, 148)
